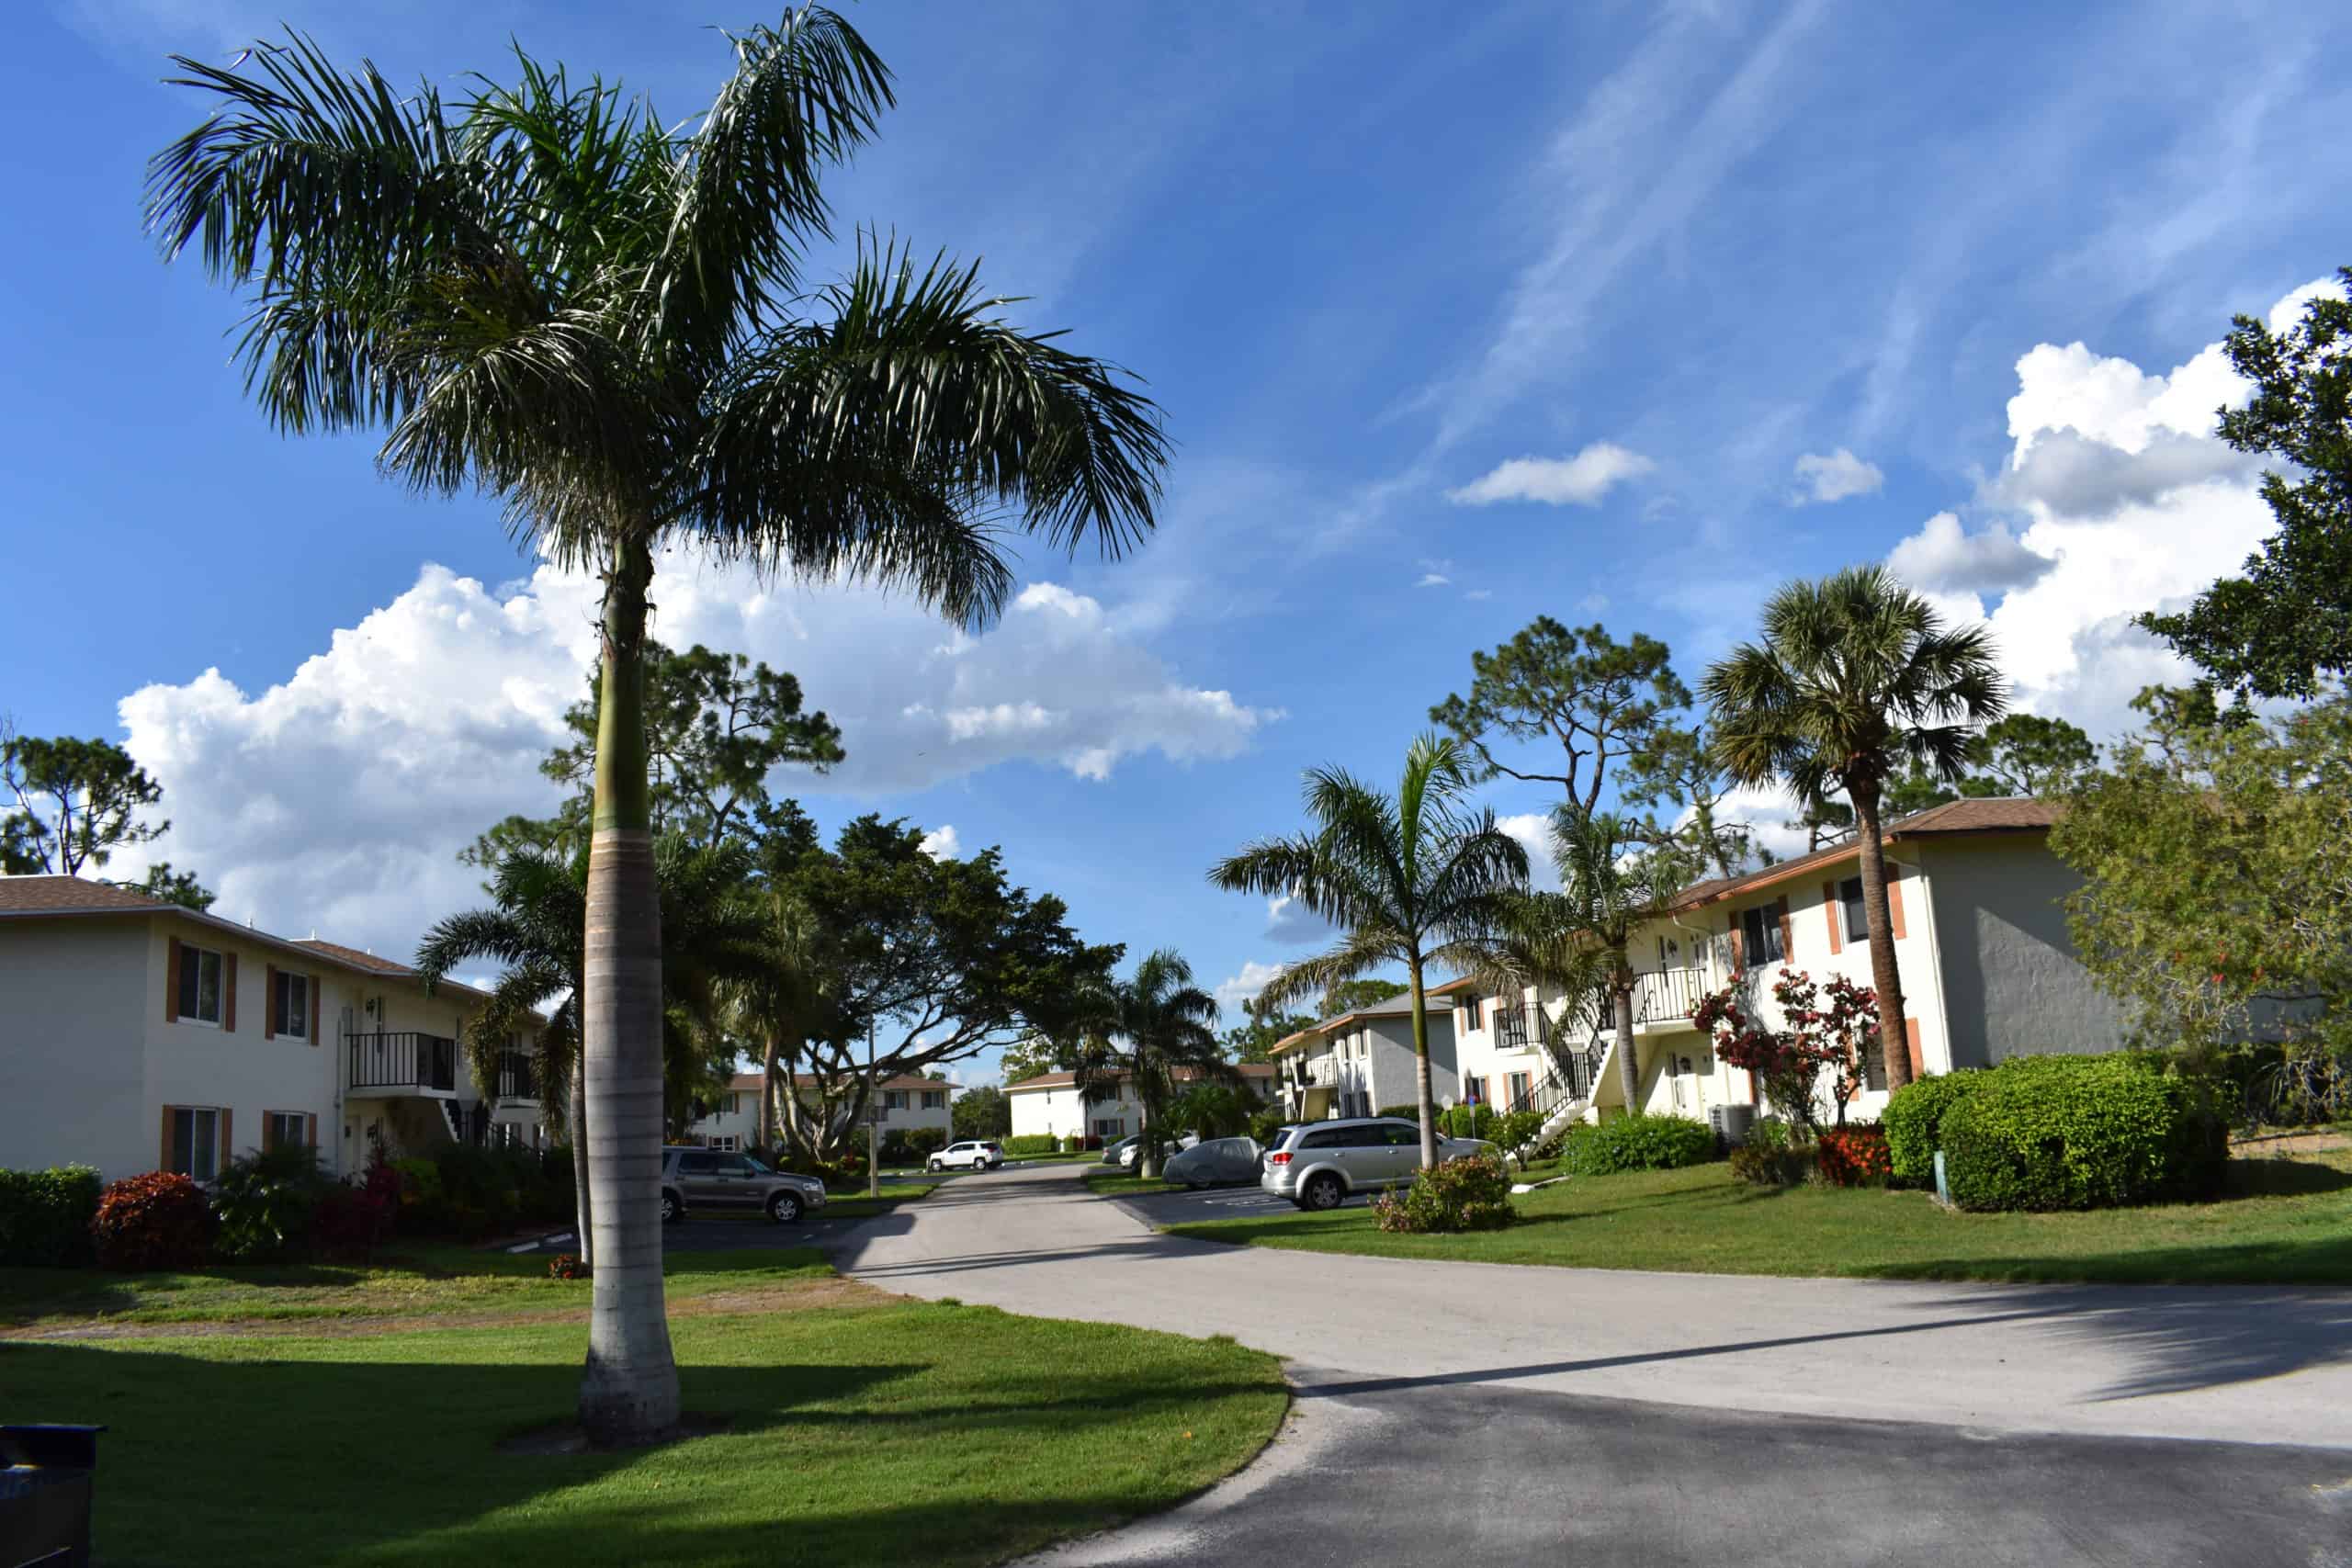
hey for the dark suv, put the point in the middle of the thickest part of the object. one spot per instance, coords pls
(715, 1178)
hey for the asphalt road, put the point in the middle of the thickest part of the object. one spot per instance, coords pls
(1482, 1413)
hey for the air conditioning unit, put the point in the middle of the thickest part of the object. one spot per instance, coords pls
(1732, 1123)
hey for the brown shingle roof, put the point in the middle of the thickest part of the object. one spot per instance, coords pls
(68, 895)
(2009, 814)
(1063, 1081)
(354, 956)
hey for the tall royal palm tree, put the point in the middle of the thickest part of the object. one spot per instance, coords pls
(1856, 678)
(1413, 879)
(1614, 876)
(1148, 1033)
(547, 292)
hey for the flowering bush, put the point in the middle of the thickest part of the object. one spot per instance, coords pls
(567, 1266)
(157, 1220)
(1467, 1194)
(1854, 1156)
(1835, 1033)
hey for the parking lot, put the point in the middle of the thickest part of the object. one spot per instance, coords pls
(1213, 1204)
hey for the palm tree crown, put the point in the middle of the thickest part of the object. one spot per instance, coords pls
(1412, 878)
(1146, 1034)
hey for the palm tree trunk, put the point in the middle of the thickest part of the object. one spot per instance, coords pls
(1886, 978)
(582, 1204)
(1424, 1089)
(767, 1093)
(1629, 1061)
(629, 1392)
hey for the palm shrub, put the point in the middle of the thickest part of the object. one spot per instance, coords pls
(545, 292)
(2081, 1132)
(1636, 1142)
(1146, 1034)
(45, 1216)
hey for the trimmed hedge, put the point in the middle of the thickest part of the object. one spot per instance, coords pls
(45, 1216)
(1636, 1142)
(1914, 1115)
(1033, 1144)
(1467, 1194)
(1411, 1112)
(2081, 1132)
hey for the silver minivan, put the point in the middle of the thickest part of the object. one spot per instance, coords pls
(1317, 1164)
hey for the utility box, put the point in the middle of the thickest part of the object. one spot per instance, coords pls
(46, 1477)
(1732, 1123)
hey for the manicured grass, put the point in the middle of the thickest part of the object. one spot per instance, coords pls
(408, 1281)
(2287, 1221)
(855, 1204)
(860, 1429)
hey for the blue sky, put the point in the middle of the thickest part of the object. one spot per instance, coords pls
(1624, 313)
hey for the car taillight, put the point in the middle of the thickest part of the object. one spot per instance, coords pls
(1282, 1158)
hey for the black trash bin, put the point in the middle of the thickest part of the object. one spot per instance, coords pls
(46, 1474)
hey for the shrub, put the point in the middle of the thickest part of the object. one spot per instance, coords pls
(1516, 1130)
(1467, 1194)
(1766, 1159)
(1406, 1113)
(1032, 1144)
(355, 1218)
(1853, 1155)
(2093, 1133)
(1464, 1121)
(1636, 1142)
(567, 1266)
(1265, 1124)
(1914, 1118)
(266, 1204)
(45, 1216)
(925, 1141)
(160, 1220)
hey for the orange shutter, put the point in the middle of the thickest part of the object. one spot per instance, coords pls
(1788, 930)
(227, 993)
(271, 1021)
(1738, 958)
(164, 1148)
(1911, 1038)
(226, 1150)
(1894, 901)
(1833, 909)
(268, 1131)
(318, 1014)
(310, 1128)
(172, 981)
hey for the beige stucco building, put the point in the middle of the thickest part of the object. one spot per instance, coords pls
(906, 1103)
(1050, 1105)
(137, 1035)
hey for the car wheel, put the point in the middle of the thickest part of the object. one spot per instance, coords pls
(672, 1210)
(935, 1167)
(1322, 1191)
(785, 1208)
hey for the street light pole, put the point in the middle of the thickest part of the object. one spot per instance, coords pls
(873, 1122)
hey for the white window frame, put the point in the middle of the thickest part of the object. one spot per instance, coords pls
(277, 1004)
(935, 1100)
(1110, 1126)
(274, 1136)
(192, 1113)
(730, 1103)
(727, 1144)
(894, 1100)
(192, 984)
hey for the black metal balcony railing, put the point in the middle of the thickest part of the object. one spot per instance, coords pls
(1661, 994)
(1517, 1028)
(515, 1078)
(404, 1058)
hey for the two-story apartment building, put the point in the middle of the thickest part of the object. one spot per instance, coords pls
(1050, 1105)
(908, 1102)
(137, 1035)
(1353, 1064)
(1976, 906)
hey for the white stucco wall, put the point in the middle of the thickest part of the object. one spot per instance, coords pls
(1060, 1111)
(743, 1123)
(2014, 984)
(73, 1042)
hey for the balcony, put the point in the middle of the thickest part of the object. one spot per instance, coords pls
(407, 1060)
(1668, 996)
(516, 1080)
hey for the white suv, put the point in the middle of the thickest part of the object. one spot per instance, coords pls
(1319, 1164)
(977, 1153)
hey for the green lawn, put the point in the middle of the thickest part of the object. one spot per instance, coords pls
(861, 1429)
(856, 1204)
(2287, 1221)
(1112, 1180)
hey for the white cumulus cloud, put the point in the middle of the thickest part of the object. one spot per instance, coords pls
(1290, 921)
(338, 796)
(1835, 477)
(1235, 989)
(1944, 558)
(1581, 481)
(941, 843)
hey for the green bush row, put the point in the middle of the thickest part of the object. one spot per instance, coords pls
(45, 1216)
(1033, 1144)
(1636, 1142)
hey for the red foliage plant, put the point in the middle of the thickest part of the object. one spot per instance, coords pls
(160, 1219)
(1852, 1157)
(1824, 1033)
(352, 1220)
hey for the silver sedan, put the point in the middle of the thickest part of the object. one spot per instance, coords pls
(1214, 1160)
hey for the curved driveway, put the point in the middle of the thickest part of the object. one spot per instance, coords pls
(2239, 1365)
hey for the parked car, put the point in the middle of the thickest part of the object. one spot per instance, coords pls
(713, 1178)
(1214, 1160)
(1123, 1153)
(973, 1153)
(1321, 1163)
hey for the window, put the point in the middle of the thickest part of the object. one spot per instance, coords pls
(1760, 936)
(1858, 920)
(196, 1140)
(1111, 1127)
(1397, 1135)
(1474, 1091)
(697, 1164)
(286, 1130)
(1474, 1012)
(731, 1104)
(1875, 1065)
(1331, 1138)
(935, 1100)
(291, 1004)
(200, 985)
(1522, 1088)
(726, 1143)
(894, 1100)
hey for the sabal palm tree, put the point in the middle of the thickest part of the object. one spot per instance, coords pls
(1148, 1033)
(1855, 679)
(548, 293)
(1613, 878)
(1213, 1110)
(1412, 879)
